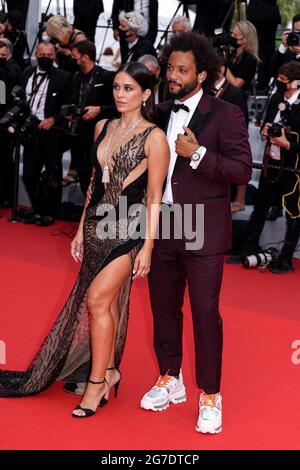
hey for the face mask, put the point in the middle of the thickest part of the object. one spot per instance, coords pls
(281, 87)
(122, 35)
(2, 62)
(233, 42)
(45, 63)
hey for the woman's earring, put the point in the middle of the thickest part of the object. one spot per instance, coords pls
(144, 104)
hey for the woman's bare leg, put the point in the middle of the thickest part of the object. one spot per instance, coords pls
(101, 294)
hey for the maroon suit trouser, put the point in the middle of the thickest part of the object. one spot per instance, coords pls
(172, 268)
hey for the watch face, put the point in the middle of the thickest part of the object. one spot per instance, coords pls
(195, 157)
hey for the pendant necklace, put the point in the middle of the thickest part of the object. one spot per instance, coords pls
(106, 175)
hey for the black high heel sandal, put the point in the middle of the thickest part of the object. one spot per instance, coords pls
(88, 411)
(104, 400)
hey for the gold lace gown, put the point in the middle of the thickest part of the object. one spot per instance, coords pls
(109, 232)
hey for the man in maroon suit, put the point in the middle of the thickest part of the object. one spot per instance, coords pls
(209, 150)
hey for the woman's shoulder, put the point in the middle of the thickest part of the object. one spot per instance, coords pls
(156, 141)
(156, 133)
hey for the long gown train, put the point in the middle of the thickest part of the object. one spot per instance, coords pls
(66, 349)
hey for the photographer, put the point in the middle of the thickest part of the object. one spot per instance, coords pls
(10, 74)
(64, 37)
(289, 48)
(241, 71)
(91, 97)
(47, 88)
(282, 131)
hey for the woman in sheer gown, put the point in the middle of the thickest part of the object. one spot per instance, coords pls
(130, 160)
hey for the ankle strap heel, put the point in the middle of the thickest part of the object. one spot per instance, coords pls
(97, 383)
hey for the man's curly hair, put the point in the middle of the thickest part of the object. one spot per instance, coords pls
(206, 58)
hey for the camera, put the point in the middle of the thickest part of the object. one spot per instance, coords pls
(262, 259)
(293, 39)
(225, 44)
(76, 112)
(19, 117)
(276, 128)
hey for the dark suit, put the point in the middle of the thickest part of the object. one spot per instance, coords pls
(143, 46)
(44, 149)
(278, 59)
(22, 6)
(265, 16)
(86, 15)
(221, 128)
(210, 14)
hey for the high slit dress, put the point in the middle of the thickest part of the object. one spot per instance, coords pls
(109, 232)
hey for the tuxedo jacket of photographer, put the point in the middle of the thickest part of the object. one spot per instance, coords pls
(281, 56)
(58, 90)
(293, 121)
(221, 128)
(93, 89)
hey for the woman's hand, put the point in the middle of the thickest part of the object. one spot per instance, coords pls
(142, 263)
(77, 246)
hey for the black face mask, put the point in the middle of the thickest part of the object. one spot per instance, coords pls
(45, 63)
(281, 87)
(2, 62)
(122, 35)
(233, 42)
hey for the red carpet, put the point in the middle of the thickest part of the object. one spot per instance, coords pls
(260, 384)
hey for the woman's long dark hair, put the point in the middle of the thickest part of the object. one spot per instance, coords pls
(139, 72)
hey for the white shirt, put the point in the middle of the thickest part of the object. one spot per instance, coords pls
(275, 149)
(38, 104)
(176, 123)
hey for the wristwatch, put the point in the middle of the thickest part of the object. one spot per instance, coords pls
(197, 157)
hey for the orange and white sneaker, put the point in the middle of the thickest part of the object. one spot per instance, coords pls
(210, 413)
(167, 389)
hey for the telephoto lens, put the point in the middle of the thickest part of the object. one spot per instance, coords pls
(260, 260)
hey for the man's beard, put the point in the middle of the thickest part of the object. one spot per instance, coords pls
(185, 90)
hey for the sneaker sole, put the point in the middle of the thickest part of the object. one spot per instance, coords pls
(164, 406)
(209, 430)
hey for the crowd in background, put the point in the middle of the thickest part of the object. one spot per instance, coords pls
(55, 99)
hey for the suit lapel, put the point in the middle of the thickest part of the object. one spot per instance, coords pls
(164, 116)
(202, 115)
